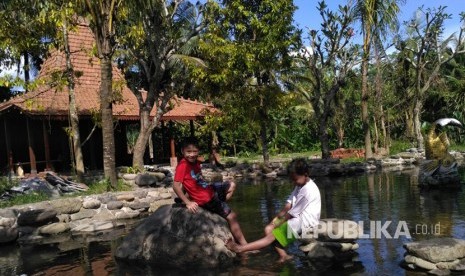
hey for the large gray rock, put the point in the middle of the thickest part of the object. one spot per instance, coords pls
(437, 250)
(8, 234)
(114, 205)
(7, 222)
(84, 213)
(139, 205)
(67, 205)
(335, 230)
(54, 228)
(93, 226)
(91, 203)
(105, 198)
(8, 213)
(145, 180)
(174, 237)
(158, 175)
(36, 217)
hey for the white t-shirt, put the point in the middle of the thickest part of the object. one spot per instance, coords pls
(305, 207)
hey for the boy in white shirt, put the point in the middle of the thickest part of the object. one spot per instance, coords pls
(301, 213)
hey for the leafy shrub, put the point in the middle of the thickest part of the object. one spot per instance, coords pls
(399, 146)
(133, 170)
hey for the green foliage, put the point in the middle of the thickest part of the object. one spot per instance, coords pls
(133, 170)
(322, 69)
(352, 160)
(104, 186)
(400, 146)
(247, 47)
(426, 52)
(132, 131)
(24, 199)
(6, 184)
(237, 55)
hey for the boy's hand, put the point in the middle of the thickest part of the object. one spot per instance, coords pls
(192, 206)
(277, 221)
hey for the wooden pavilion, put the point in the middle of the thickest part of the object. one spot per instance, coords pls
(34, 125)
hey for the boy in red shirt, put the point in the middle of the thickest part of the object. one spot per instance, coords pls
(188, 176)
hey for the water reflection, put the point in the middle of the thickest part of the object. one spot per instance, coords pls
(389, 197)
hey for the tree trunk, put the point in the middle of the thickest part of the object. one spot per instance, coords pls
(417, 124)
(365, 115)
(73, 113)
(376, 138)
(27, 72)
(387, 138)
(264, 140)
(103, 17)
(378, 117)
(383, 127)
(106, 109)
(324, 139)
(409, 123)
(340, 136)
(142, 140)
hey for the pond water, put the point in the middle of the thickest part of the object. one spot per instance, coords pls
(390, 200)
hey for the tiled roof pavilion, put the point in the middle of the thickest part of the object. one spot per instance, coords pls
(54, 103)
(47, 102)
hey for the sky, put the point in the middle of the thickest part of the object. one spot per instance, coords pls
(307, 14)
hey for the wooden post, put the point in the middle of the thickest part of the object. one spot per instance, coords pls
(32, 155)
(10, 163)
(173, 158)
(48, 163)
(93, 160)
(8, 149)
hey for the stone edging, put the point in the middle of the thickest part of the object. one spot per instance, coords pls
(35, 221)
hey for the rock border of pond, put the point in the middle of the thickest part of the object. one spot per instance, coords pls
(32, 223)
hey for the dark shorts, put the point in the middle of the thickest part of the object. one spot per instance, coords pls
(217, 204)
(221, 189)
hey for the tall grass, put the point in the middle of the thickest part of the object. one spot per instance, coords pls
(95, 188)
(6, 184)
(24, 199)
(104, 186)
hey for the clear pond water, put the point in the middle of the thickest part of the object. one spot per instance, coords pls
(383, 202)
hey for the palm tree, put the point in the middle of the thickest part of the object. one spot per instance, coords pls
(376, 18)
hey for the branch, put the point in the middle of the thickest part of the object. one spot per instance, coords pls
(90, 134)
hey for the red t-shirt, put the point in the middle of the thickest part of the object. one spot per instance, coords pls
(189, 174)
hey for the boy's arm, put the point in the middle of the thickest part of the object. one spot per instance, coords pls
(282, 216)
(191, 205)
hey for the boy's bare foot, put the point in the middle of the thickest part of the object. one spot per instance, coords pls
(235, 247)
(285, 258)
(252, 252)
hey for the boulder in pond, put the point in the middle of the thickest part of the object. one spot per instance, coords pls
(173, 237)
(437, 250)
(440, 256)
